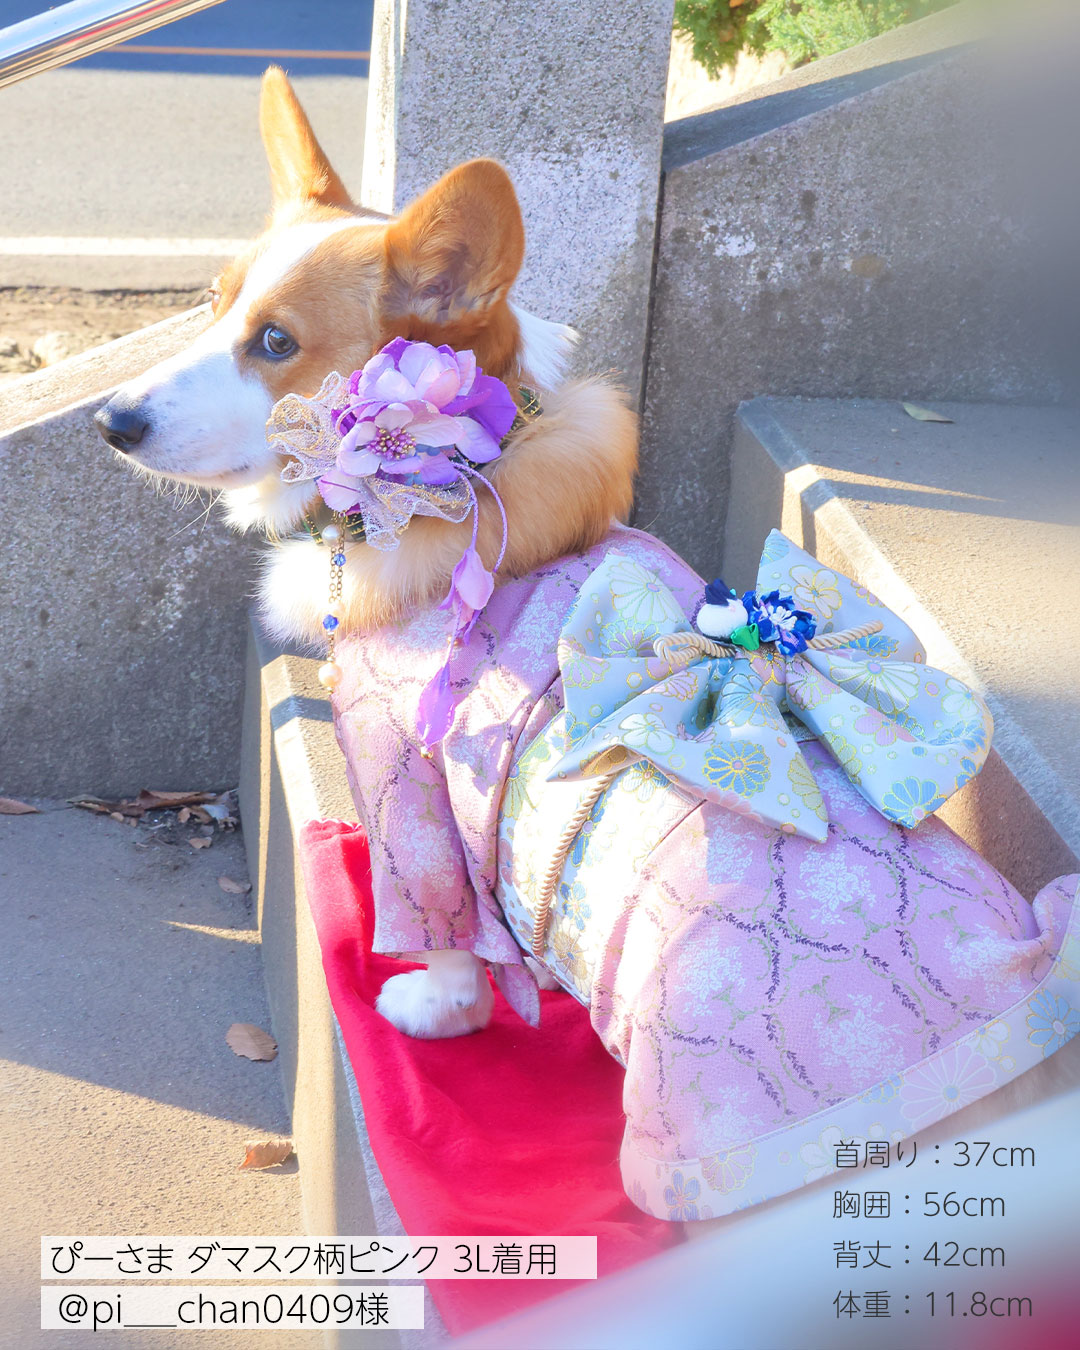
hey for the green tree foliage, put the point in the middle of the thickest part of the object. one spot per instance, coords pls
(802, 29)
(717, 31)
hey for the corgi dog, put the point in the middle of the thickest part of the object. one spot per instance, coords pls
(324, 288)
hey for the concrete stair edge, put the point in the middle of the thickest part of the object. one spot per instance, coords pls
(1017, 788)
(90, 375)
(292, 772)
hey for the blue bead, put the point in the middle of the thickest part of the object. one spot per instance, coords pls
(338, 559)
(330, 623)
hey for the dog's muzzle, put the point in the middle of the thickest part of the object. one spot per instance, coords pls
(121, 424)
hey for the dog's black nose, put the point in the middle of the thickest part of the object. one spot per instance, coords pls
(122, 428)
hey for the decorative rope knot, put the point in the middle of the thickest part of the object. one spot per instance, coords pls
(685, 647)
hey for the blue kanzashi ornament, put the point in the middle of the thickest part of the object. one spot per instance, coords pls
(778, 620)
(753, 620)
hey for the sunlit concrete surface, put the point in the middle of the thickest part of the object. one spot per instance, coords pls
(122, 1109)
(970, 531)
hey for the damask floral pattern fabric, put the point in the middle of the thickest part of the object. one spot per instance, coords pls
(765, 990)
(908, 736)
(432, 822)
(769, 994)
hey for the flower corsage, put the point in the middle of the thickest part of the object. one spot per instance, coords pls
(404, 436)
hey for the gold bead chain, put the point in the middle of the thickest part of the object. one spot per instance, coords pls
(337, 575)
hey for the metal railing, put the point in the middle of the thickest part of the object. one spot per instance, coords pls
(71, 31)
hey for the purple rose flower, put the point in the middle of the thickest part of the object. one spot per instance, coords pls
(411, 408)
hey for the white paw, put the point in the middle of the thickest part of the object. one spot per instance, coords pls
(543, 977)
(430, 1004)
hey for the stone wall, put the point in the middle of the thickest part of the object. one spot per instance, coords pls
(859, 236)
(123, 625)
(572, 102)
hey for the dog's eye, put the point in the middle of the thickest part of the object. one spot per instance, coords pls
(276, 342)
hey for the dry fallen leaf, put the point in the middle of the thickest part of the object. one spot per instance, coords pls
(97, 804)
(234, 887)
(151, 800)
(199, 843)
(145, 801)
(224, 809)
(921, 414)
(244, 1038)
(205, 807)
(267, 1152)
(10, 807)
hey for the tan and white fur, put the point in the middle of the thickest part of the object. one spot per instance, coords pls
(338, 283)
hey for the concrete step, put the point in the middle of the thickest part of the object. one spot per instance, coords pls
(291, 772)
(122, 1109)
(969, 530)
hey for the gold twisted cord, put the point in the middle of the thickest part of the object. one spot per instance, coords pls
(597, 788)
(690, 645)
(673, 647)
(826, 641)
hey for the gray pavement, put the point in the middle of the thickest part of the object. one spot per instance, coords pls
(157, 142)
(122, 1109)
(107, 154)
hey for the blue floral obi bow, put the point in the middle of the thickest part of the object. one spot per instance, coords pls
(727, 728)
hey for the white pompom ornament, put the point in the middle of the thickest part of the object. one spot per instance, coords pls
(720, 621)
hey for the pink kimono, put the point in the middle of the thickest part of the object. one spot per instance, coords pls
(769, 989)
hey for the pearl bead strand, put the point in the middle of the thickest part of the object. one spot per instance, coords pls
(330, 673)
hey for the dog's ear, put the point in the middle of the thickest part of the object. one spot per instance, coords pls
(455, 251)
(299, 170)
